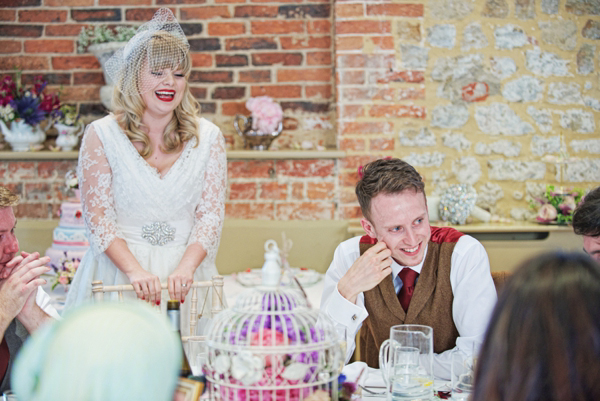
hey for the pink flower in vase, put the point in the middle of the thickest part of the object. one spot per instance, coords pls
(547, 213)
(64, 280)
(568, 205)
(266, 114)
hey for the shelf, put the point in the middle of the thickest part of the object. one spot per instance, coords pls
(231, 155)
(516, 227)
(285, 154)
(41, 155)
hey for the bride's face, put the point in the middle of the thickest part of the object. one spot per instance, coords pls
(166, 90)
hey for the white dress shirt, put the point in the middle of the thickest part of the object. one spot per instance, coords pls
(472, 287)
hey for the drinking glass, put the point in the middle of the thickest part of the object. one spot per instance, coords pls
(406, 363)
(197, 354)
(462, 372)
(9, 396)
(342, 333)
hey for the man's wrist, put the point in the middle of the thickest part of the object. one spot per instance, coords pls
(345, 290)
(33, 318)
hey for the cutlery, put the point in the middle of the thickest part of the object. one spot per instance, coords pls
(368, 390)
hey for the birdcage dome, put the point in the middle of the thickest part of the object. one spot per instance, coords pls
(272, 346)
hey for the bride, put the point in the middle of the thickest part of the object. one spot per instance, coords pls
(152, 175)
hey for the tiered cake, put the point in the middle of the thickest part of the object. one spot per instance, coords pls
(68, 239)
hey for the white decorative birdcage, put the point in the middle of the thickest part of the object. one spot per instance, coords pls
(272, 346)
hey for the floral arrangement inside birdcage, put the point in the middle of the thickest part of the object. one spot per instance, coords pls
(272, 346)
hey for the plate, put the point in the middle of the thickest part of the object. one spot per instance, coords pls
(306, 277)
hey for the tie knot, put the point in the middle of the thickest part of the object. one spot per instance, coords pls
(408, 277)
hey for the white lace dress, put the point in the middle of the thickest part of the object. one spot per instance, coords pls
(124, 197)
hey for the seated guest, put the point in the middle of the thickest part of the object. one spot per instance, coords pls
(100, 352)
(543, 342)
(24, 306)
(586, 222)
(406, 272)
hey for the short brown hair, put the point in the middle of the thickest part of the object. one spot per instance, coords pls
(387, 176)
(586, 218)
(7, 197)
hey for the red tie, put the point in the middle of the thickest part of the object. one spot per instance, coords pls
(4, 358)
(408, 277)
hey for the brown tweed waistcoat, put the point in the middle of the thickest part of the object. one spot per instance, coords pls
(431, 304)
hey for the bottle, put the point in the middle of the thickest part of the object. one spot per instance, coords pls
(174, 316)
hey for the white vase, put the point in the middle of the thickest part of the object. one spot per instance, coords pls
(104, 51)
(68, 135)
(21, 136)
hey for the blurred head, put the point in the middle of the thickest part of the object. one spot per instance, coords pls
(543, 341)
(9, 245)
(391, 195)
(103, 351)
(586, 222)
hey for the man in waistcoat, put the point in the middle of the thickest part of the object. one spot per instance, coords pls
(586, 222)
(406, 272)
(24, 306)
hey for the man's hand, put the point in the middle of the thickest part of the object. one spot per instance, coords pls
(366, 272)
(24, 279)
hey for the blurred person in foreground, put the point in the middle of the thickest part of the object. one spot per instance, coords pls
(24, 306)
(101, 352)
(406, 272)
(543, 342)
(152, 176)
(586, 222)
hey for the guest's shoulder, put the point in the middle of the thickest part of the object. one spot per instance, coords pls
(350, 245)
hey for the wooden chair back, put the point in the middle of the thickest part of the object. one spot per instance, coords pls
(215, 286)
(500, 278)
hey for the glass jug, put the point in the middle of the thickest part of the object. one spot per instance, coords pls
(406, 363)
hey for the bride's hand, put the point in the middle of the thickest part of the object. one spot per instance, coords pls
(180, 283)
(146, 285)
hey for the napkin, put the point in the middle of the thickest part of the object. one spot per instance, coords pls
(370, 378)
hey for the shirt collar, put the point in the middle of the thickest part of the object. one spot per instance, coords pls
(397, 267)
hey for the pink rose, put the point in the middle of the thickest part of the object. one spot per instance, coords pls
(568, 205)
(547, 213)
(64, 280)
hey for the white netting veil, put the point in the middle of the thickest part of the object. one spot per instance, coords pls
(158, 44)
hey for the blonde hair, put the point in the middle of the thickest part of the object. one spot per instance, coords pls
(129, 108)
(7, 197)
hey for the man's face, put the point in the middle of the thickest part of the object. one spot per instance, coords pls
(591, 245)
(401, 221)
(8, 242)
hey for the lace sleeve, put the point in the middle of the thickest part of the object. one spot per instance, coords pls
(210, 212)
(95, 179)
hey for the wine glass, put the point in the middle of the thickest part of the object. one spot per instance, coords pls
(197, 354)
(342, 334)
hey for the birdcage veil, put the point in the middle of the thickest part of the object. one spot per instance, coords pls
(157, 45)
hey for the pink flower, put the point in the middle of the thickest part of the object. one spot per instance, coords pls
(568, 205)
(547, 213)
(268, 337)
(64, 280)
(266, 114)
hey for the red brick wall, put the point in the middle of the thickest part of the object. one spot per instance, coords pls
(373, 95)
(240, 49)
(256, 189)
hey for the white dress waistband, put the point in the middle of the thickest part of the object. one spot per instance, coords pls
(157, 233)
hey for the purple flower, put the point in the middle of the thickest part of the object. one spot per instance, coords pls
(28, 109)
